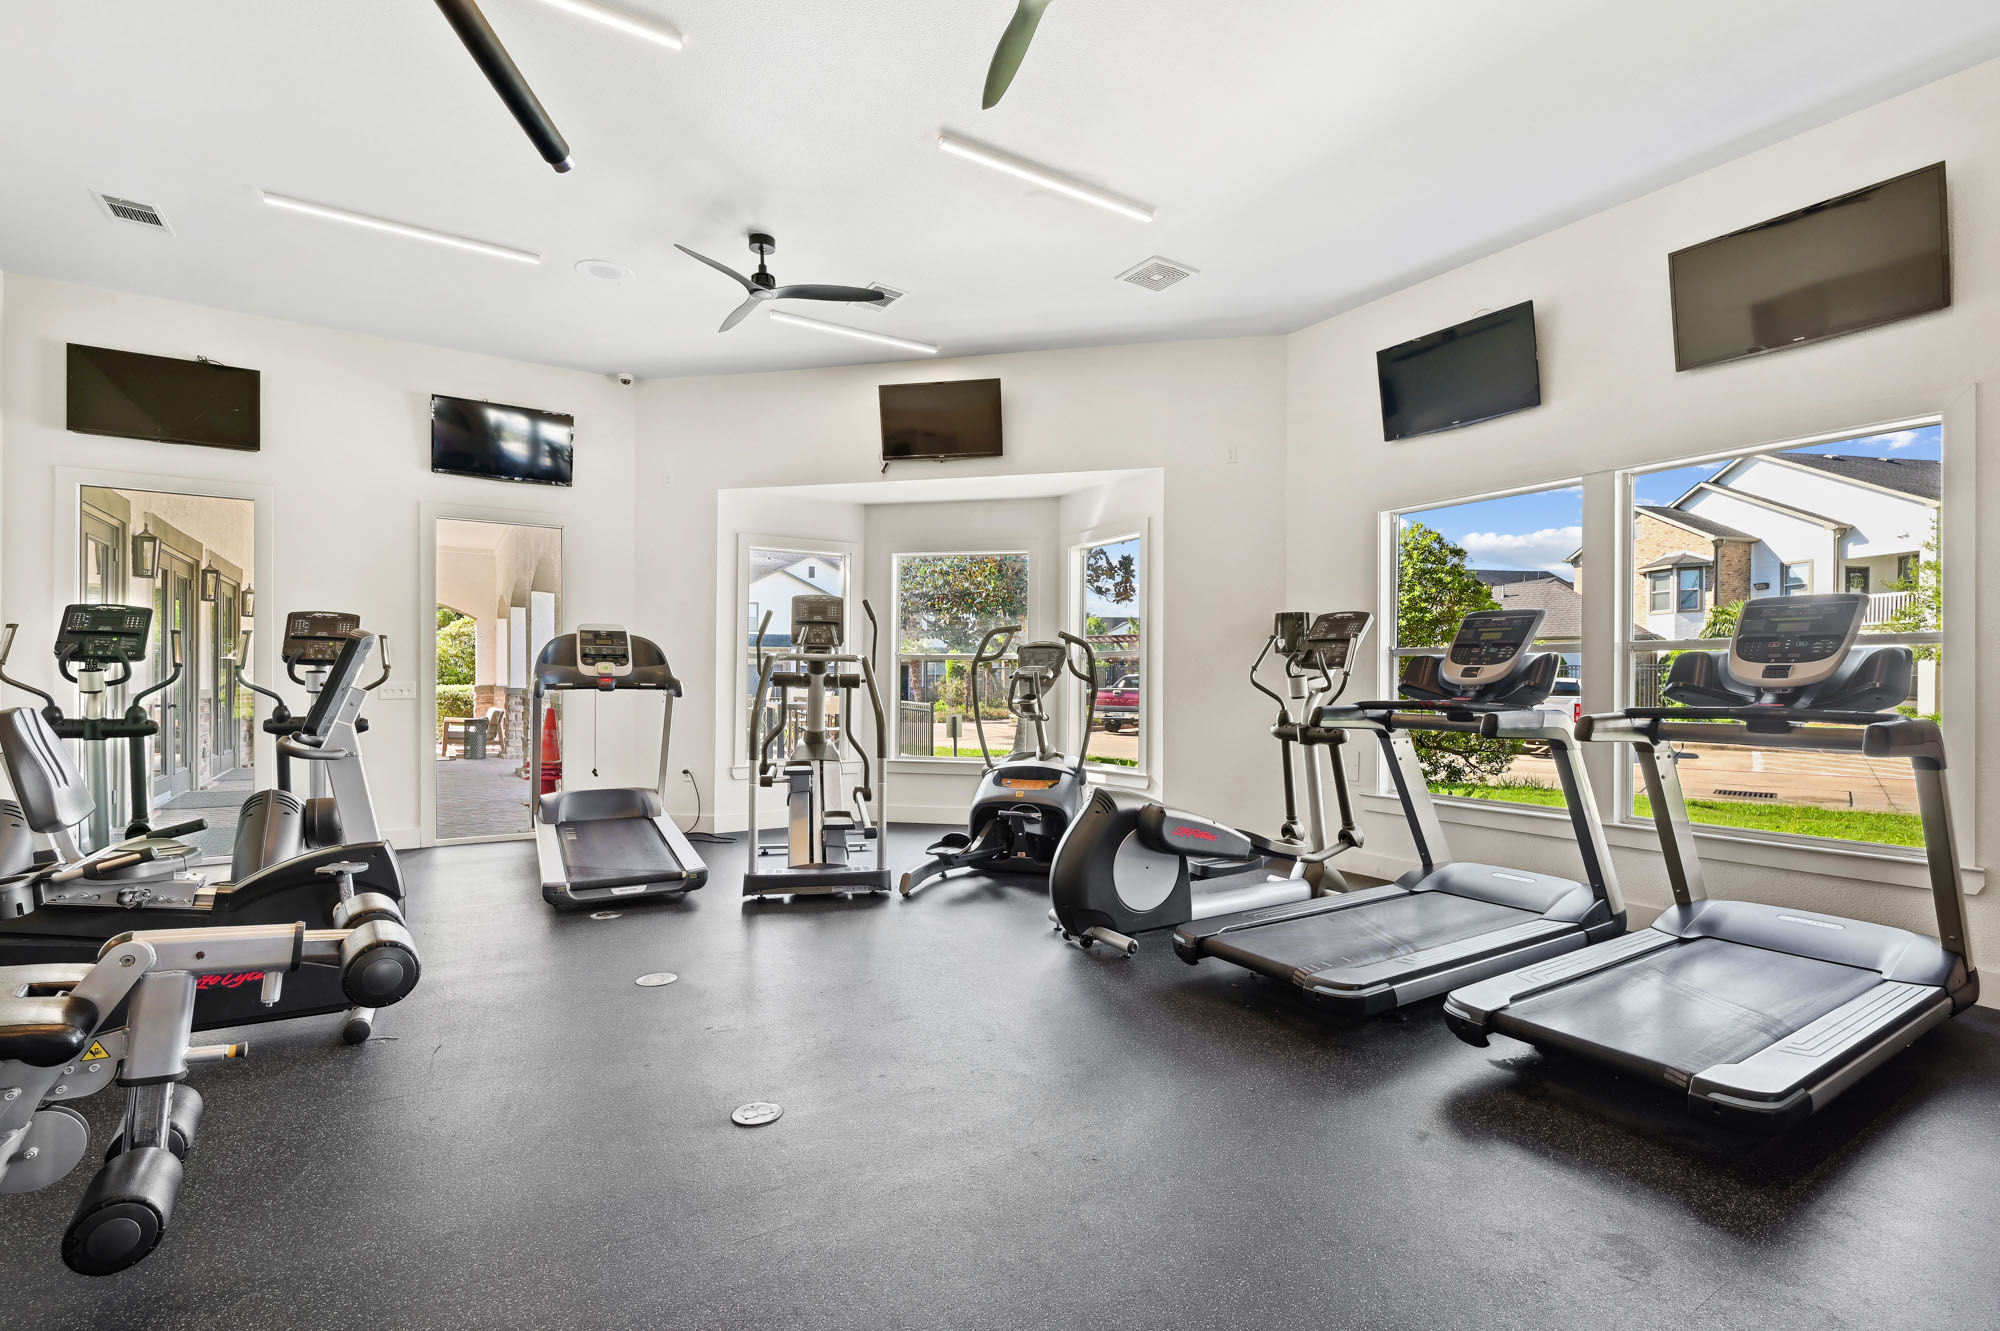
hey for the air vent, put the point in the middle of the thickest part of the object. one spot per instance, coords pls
(889, 297)
(1157, 274)
(129, 210)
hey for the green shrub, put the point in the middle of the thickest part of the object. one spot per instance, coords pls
(454, 700)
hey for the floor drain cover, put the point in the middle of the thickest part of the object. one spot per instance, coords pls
(658, 978)
(756, 1114)
(605, 914)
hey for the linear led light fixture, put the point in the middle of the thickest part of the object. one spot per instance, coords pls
(332, 214)
(630, 24)
(901, 343)
(1034, 173)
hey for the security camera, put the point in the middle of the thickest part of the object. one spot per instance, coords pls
(625, 377)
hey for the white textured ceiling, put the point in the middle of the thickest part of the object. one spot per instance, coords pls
(1303, 154)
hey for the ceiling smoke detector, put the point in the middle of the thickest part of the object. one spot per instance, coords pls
(129, 210)
(1157, 274)
(889, 296)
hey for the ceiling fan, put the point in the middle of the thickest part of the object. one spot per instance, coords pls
(762, 286)
(1012, 50)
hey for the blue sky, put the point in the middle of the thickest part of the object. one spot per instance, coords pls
(1097, 605)
(1537, 530)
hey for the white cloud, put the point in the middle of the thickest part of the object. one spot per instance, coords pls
(1901, 438)
(1542, 549)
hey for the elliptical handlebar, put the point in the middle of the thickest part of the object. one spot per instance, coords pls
(133, 710)
(50, 710)
(279, 710)
(980, 659)
(1089, 677)
(381, 645)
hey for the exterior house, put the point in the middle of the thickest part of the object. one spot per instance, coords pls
(1539, 589)
(776, 576)
(1783, 524)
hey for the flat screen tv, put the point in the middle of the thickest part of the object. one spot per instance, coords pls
(135, 396)
(499, 442)
(956, 419)
(1461, 375)
(1858, 261)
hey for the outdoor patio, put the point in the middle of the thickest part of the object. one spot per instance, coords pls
(480, 797)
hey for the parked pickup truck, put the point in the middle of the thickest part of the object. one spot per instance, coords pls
(1118, 705)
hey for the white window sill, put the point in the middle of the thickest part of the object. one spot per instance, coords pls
(1859, 863)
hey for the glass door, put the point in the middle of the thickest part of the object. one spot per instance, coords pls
(175, 708)
(226, 747)
(101, 572)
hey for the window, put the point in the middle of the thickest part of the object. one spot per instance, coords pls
(775, 576)
(1112, 581)
(1515, 551)
(1689, 602)
(1773, 515)
(1659, 592)
(945, 604)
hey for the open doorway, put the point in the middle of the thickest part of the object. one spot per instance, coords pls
(498, 599)
(187, 557)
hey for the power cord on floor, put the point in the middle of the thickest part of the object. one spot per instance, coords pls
(691, 835)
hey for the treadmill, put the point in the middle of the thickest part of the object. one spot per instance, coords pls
(1445, 922)
(1760, 1014)
(612, 843)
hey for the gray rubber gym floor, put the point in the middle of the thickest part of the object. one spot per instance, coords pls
(983, 1128)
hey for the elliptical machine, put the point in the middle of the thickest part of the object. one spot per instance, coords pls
(276, 823)
(822, 829)
(1026, 802)
(1129, 863)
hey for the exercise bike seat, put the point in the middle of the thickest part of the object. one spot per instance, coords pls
(42, 1021)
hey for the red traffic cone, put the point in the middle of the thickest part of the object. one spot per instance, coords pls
(551, 753)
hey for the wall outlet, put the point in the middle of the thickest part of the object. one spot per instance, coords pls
(397, 693)
(1229, 454)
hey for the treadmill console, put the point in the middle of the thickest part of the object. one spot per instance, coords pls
(1490, 646)
(315, 637)
(817, 621)
(1334, 636)
(603, 651)
(104, 633)
(1788, 642)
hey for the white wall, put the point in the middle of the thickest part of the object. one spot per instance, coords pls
(346, 460)
(1612, 398)
(1183, 407)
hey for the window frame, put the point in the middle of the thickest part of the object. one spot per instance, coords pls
(1389, 656)
(1074, 610)
(892, 679)
(1681, 590)
(1956, 436)
(1660, 592)
(1785, 572)
(739, 648)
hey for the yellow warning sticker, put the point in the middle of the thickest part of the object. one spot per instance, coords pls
(95, 1052)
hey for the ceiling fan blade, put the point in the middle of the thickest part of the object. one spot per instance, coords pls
(741, 280)
(1012, 50)
(808, 291)
(742, 312)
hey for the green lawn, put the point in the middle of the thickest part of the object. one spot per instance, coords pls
(1893, 829)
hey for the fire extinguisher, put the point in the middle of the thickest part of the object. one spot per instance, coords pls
(551, 753)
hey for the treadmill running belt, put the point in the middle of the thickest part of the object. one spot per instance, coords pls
(1688, 1007)
(1363, 935)
(614, 848)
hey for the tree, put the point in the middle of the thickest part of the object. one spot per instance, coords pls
(954, 599)
(446, 615)
(1721, 621)
(1924, 611)
(1113, 580)
(1435, 589)
(457, 645)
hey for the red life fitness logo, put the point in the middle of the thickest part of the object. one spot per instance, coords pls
(1193, 832)
(234, 980)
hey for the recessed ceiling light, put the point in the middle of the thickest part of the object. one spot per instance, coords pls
(1035, 173)
(603, 269)
(631, 25)
(333, 214)
(904, 344)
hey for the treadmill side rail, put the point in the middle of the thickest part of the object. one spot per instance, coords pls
(1477, 1003)
(1829, 1054)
